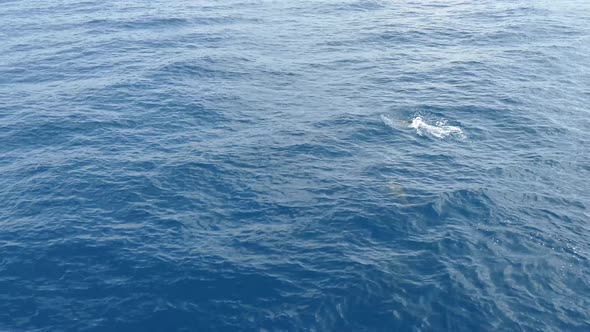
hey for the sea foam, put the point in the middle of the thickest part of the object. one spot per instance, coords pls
(440, 129)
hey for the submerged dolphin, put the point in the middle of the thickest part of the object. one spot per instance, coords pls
(398, 191)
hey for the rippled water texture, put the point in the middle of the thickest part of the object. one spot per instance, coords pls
(294, 165)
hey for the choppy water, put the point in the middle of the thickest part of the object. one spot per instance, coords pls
(294, 165)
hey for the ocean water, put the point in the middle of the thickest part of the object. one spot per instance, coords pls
(322, 165)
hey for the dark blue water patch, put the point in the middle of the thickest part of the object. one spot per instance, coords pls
(194, 71)
(141, 23)
(162, 23)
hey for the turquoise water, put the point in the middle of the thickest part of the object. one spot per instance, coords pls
(294, 165)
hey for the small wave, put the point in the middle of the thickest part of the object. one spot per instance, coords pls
(389, 122)
(439, 130)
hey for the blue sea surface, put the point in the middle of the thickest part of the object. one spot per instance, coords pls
(328, 165)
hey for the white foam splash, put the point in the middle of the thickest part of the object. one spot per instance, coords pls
(439, 130)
